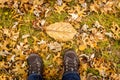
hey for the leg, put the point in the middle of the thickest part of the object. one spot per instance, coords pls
(71, 76)
(35, 77)
(71, 66)
(35, 67)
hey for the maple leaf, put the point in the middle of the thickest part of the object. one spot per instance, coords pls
(107, 7)
(2, 2)
(37, 2)
(80, 11)
(59, 9)
(5, 76)
(94, 7)
(116, 30)
(56, 56)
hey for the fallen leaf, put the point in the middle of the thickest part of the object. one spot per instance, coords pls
(55, 46)
(85, 27)
(6, 32)
(108, 7)
(41, 42)
(82, 47)
(59, 9)
(80, 11)
(61, 31)
(116, 30)
(92, 56)
(25, 36)
(37, 2)
(90, 76)
(109, 34)
(67, 0)
(74, 16)
(42, 22)
(94, 7)
(56, 57)
(98, 25)
(59, 2)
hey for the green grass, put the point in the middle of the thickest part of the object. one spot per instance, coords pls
(93, 71)
(116, 44)
(56, 17)
(88, 51)
(6, 19)
(105, 19)
(72, 3)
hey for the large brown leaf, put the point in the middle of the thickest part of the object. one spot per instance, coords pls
(61, 31)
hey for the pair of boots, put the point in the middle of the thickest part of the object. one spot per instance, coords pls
(70, 60)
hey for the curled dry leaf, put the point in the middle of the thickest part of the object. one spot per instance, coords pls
(41, 42)
(6, 32)
(97, 25)
(61, 31)
(109, 34)
(59, 2)
(25, 36)
(4, 53)
(74, 16)
(85, 27)
(55, 46)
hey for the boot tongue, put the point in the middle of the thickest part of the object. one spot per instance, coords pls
(71, 55)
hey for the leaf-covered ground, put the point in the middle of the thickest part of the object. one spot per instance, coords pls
(97, 41)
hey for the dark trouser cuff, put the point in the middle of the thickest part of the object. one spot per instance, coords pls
(71, 76)
(35, 77)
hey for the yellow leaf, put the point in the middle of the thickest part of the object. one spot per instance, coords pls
(80, 11)
(116, 31)
(67, 0)
(59, 9)
(61, 31)
(37, 2)
(82, 47)
(94, 7)
(56, 56)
